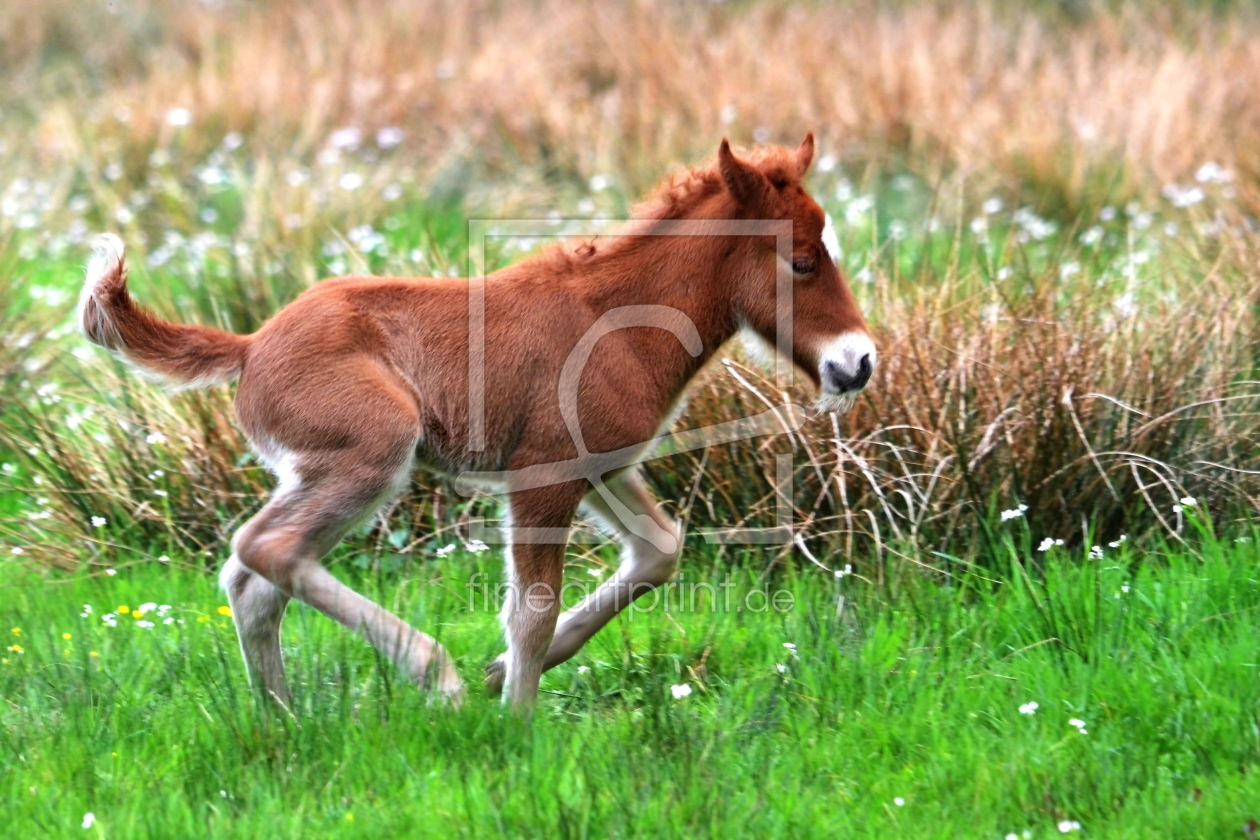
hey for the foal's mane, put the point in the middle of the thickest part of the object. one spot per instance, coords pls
(677, 197)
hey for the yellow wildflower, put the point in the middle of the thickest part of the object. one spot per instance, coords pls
(17, 631)
(124, 609)
(94, 655)
(66, 636)
(17, 648)
(225, 610)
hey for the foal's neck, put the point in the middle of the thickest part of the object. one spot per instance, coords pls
(686, 273)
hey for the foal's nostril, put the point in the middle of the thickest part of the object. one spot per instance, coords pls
(865, 369)
(836, 379)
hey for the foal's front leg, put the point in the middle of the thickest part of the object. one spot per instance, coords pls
(644, 566)
(535, 571)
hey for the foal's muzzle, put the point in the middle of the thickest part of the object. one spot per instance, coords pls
(847, 364)
(839, 381)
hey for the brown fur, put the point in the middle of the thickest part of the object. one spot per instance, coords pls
(359, 377)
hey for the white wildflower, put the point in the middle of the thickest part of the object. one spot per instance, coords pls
(445, 550)
(98, 522)
(1013, 513)
(680, 691)
(1066, 826)
(1029, 708)
(1125, 306)
(1213, 173)
(389, 137)
(350, 181)
(1049, 543)
(1095, 552)
(992, 205)
(476, 546)
(179, 117)
(899, 802)
(1182, 196)
(88, 819)
(346, 138)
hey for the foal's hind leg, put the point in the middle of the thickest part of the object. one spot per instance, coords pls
(286, 540)
(644, 566)
(257, 609)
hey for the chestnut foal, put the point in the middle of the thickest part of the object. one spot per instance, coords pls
(361, 379)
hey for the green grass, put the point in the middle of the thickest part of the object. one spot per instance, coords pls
(912, 693)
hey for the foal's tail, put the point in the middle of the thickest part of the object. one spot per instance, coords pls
(184, 355)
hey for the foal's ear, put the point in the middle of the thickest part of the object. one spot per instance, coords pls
(805, 154)
(744, 180)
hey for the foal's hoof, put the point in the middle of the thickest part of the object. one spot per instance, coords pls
(448, 697)
(442, 682)
(496, 671)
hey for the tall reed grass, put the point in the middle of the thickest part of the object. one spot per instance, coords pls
(1048, 210)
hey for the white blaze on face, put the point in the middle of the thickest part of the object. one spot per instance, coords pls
(844, 366)
(830, 241)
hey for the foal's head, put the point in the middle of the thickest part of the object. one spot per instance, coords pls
(829, 335)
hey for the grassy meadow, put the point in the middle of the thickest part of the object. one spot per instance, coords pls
(1047, 495)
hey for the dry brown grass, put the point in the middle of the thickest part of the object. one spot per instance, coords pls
(990, 393)
(1099, 425)
(546, 89)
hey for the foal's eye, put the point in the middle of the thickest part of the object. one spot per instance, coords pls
(803, 265)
